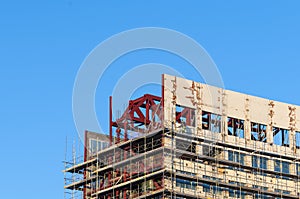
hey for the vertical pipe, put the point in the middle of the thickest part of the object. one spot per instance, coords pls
(110, 120)
(162, 98)
(109, 178)
(124, 194)
(118, 131)
(117, 194)
(125, 131)
(124, 170)
(85, 159)
(188, 117)
(172, 159)
(147, 112)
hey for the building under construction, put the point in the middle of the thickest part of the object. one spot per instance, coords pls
(193, 141)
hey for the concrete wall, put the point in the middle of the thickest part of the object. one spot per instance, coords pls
(202, 97)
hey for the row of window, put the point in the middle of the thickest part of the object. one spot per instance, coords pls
(262, 162)
(216, 190)
(185, 184)
(96, 145)
(212, 122)
(238, 157)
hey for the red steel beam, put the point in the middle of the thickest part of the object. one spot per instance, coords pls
(140, 112)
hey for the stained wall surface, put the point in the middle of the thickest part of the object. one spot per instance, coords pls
(202, 97)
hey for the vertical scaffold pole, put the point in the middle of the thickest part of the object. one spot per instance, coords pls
(110, 120)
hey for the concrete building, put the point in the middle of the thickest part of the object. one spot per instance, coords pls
(195, 141)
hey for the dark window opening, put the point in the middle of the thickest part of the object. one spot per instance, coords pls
(259, 162)
(282, 166)
(298, 140)
(216, 190)
(237, 193)
(211, 122)
(236, 156)
(235, 127)
(258, 132)
(281, 192)
(185, 116)
(211, 151)
(281, 136)
(186, 146)
(187, 184)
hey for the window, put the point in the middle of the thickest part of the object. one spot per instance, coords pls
(206, 188)
(282, 166)
(211, 188)
(186, 146)
(235, 127)
(185, 184)
(258, 132)
(259, 195)
(263, 163)
(298, 140)
(255, 162)
(281, 136)
(277, 166)
(211, 122)
(236, 157)
(185, 116)
(104, 145)
(210, 151)
(216, 190)
(212, 178)
(237, 193)
(185, 172)
(285, 167)
(281, 192)
(297, 168)
(96, 145)
(259, 162)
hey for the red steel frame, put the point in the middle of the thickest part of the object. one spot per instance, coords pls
(137, 114)
(140, 113)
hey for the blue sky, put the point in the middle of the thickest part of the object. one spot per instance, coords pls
(255, 45)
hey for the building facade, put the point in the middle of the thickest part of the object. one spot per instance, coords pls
(195, 141)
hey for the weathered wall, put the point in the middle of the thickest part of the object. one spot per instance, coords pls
(202, 97)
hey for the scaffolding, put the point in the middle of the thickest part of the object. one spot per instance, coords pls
(164, 147)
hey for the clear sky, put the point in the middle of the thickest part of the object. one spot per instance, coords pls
(255, 44)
